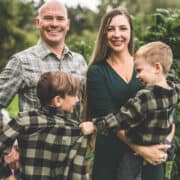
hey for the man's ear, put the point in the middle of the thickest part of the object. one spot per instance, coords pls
(68, 24)
(57, 101)
(37, 22)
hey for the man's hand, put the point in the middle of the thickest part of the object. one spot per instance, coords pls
(12, 158)
(10, 178)
(87, 127)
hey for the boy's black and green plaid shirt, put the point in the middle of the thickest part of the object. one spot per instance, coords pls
(50, 146)
(146, 118)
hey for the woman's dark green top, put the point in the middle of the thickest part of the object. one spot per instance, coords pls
(106, 93)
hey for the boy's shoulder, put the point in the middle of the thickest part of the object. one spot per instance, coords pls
(25, 118)
(145, 95)
(146, 90)
(27, 113)
(36, 118)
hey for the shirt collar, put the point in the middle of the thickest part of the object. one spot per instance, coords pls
(58, 115)
(43, 51)
(170, 83)
(49, 110)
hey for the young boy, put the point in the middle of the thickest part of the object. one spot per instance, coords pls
(146, 118)
(51, 146)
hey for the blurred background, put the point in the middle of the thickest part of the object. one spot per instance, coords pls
(153, 20)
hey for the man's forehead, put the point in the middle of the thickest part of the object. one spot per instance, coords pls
(53, 12)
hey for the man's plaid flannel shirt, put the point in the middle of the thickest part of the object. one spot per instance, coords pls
(147, 118)
(22, 72)
(50, 146)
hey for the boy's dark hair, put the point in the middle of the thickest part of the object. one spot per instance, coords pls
(53, 84)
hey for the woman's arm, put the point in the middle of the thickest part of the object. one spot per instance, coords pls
(154, 154)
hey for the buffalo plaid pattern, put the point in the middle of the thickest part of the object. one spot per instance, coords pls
(50, 146)
(147, 117)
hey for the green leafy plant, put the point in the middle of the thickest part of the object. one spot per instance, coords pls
(164, 25)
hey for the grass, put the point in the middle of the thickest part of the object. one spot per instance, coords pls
(13, 107)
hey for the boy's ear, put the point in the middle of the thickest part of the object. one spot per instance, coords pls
(158, 67)
(57, 101)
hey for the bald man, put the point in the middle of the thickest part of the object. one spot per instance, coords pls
(22, 72)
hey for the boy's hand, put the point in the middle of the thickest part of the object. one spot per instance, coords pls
(87, 127)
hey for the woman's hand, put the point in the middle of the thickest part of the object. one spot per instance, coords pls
(155, 154)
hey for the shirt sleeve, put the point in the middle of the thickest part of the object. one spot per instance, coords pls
(7, 137)
(10, 81)
(129, 116)
(9, 134)
(98, 97)
(5, 170)
(132, 114)
(1, 119)
(178, 91)
(83, 70)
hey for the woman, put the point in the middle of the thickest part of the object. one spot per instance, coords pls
(111, 81)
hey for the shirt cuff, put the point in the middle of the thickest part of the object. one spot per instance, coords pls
(104, 124)
(5, 171)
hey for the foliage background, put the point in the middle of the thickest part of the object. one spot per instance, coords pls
(153, 20)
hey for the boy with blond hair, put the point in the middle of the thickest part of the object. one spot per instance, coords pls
(148, 117)
(51, 146)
